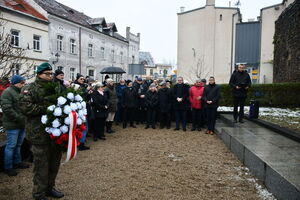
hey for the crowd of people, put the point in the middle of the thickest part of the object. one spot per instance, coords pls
(127, 103)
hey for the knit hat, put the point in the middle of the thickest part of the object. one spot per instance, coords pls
(43, 67)
(17, 79)
(152, 85)
(58, 72)
(78, 76)
(109, 80)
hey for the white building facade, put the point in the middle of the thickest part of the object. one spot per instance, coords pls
(28, 27)
(268, 16)
(206, 42)
(84, 45)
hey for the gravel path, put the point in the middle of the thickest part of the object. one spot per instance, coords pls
(146, 164)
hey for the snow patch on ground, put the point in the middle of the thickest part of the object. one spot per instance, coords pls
(244, 173)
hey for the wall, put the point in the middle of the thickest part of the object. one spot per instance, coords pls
(204, 43)
(287, 45)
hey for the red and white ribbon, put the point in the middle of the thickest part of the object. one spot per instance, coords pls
(72, 143)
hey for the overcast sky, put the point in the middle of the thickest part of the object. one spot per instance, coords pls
(156, 20)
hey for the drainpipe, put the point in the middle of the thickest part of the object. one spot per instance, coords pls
(232, 34)
(79, 50)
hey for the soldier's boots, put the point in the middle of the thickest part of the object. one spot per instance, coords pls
(54, 193)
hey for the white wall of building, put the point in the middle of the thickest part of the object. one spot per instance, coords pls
(204, 43)
(268, 17)
(28, 27)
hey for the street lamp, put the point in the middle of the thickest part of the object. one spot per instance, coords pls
(57, 56)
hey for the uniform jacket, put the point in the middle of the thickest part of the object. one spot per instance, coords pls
(33, 105)
(241, 79)
(194, 93)
(165, 99)
(12, 116)
(212, 93)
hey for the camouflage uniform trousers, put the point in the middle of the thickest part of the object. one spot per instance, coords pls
(46, 165)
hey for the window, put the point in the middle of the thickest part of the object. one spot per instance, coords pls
(121, 57)
(113, 55)
(90, 50)
(145, 71)
(132, 59)
(102, 53)
(160, 71)
(91, 73)
(60, 68)
(37, 42)
(16, 69)
(60, 43)
(72, 73)
(15, 38)
(151, 72)
(72, 46)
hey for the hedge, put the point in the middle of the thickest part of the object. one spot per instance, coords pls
(283, 95)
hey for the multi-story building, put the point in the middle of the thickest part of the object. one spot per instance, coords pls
(27, 25)
(85, 45)
(206, 42)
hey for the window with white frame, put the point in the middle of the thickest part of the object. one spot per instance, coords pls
(16, 69)
(102, 53)
(91, 73)
(37, 42)
(59, 43)
(72, 73)
(90, 50)
(121, 57)
(133, 59)
(113, 55)
(72, 46)
(15, 38)
(61, 68)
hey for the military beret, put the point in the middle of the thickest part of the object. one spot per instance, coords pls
(43, 67)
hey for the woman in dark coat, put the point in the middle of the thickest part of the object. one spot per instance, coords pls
(164, 104)
(151, 100)
(129, 102)
(99, 105)
(112, 98)
(211, 96)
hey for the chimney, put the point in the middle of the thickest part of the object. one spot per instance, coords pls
(182, 9)
(210, 2)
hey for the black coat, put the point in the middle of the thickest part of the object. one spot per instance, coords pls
(211, 93)
(181, 91)
(151, 99)
(99, 102)
(241, 79)
(129, 99)
(141, 89)
(164, 99)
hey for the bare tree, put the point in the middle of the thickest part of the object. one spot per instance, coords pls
(12, 59)
(199, 68)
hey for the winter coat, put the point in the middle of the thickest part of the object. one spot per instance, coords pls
(212, 93)
(141, 89)
(129, 99)
(33, 104)
(241, 79)
(120, 91)
(164, 99)
(181, 91)
(98, 103)
(151, 99)
(195, 92)
(112, 98)
(12, 116)
(62, 87)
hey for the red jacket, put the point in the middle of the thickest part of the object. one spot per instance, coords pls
(194, 93)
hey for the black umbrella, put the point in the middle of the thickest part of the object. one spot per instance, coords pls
(112, 70)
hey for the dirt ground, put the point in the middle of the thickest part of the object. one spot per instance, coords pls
(138, 164)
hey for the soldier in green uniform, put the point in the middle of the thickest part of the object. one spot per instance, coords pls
(47, 154)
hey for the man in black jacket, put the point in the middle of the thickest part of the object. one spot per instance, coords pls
(240, 82)
(211, 96)
(181, 101)
(141, 89)
(165, 104)
(129, 102)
